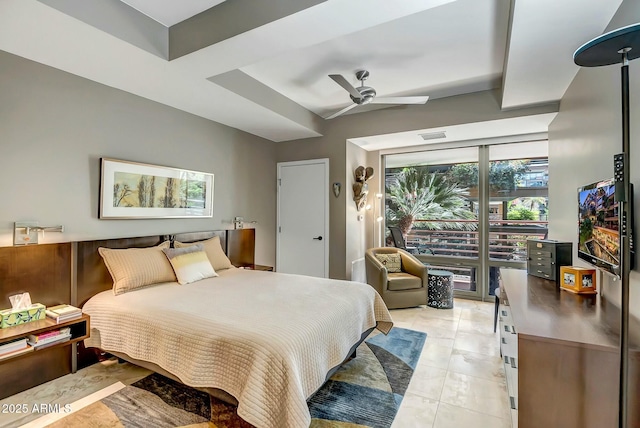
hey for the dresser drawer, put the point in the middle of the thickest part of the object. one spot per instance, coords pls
(547, 272)
(535, 253)
(542, 262)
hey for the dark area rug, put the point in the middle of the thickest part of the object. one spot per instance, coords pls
(365, 392)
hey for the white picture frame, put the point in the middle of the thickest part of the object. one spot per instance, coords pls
(133, 190)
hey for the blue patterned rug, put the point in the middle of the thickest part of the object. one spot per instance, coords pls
(365, 392)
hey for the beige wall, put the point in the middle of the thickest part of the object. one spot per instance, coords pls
(582, 141)
(477, 107)
(55, 127)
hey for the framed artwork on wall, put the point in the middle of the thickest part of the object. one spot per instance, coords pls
(132, 190)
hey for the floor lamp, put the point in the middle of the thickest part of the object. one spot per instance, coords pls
(619, 47)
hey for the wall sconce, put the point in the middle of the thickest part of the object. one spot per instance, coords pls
(238, 222)
(26, 232)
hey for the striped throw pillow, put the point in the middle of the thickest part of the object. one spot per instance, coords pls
(190, 264)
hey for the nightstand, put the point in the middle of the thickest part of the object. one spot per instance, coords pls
(23, 371)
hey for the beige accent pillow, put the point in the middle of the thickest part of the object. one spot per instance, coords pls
(213, 248)
(190, 264)
(133, 268)
(393, 262)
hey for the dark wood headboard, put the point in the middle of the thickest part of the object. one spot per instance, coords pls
(42, 270)
(92, 274)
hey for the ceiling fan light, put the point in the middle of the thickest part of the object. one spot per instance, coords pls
(367, 99)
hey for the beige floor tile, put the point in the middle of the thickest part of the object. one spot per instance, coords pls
(427, 381)
(433, 332)
(478, 365)
(416, 411)
(447, 314)
(476, 315)
(403, 324)
(477, 326)
(440, 323)
(480, 344)
(475, 305)
(476, 394)
(449, 416)
(408, 314)
(440, 341)
(435, 355)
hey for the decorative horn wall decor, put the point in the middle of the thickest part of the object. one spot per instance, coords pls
(360, 187)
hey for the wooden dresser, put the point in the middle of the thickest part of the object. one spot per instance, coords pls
(561, 355)
(545, 257)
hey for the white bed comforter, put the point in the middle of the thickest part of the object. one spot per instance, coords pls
(266, 338)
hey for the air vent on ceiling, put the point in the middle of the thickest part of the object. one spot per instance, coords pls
(433, 135)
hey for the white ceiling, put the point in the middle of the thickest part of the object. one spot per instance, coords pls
(471, 132)
(415, 47)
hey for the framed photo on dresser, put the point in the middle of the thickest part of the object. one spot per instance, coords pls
(133, 190)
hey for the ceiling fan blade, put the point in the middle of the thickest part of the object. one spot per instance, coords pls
(344, 110)
(400, 100)
(340, 80)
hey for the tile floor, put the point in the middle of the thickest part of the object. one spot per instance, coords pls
(459, 381)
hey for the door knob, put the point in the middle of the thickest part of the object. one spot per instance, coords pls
(319, 238)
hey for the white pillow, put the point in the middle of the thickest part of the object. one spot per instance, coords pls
(190, 263)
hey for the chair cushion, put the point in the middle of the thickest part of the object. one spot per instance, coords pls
(392, 261)
(403, 281)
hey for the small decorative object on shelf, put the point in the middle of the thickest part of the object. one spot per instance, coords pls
(578, 280)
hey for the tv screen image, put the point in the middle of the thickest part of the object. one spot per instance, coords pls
(599, 237)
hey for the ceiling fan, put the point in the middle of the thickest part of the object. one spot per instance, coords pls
(367, 95)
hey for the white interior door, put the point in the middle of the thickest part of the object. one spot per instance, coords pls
(303, 218)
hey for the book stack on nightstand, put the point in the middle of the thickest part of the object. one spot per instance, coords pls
(49, 338)
(62, 313)
(14, 347)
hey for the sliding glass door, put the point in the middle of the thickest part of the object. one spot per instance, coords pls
(469, 210)
(518, 203)
(432, 197)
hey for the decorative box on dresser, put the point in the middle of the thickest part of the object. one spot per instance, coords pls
(561, 355)
(545, 257)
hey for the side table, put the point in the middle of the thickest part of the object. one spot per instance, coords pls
(440, 289)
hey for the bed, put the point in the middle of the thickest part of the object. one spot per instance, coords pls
(267, 339)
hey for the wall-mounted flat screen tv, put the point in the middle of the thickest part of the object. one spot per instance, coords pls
(598, 226)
